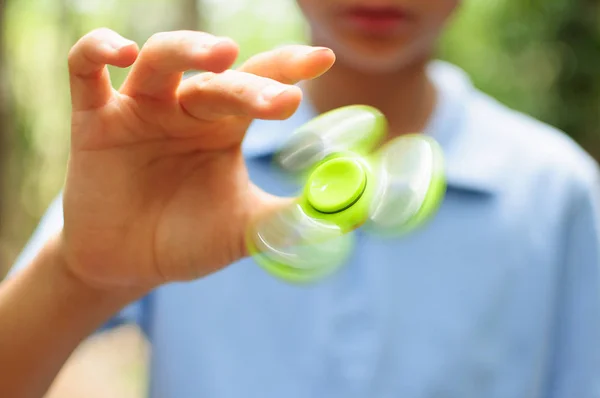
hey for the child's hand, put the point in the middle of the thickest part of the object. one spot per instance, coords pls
(157, 188)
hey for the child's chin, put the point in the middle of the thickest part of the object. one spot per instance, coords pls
(378, 63)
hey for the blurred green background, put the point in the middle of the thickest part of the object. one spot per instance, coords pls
(538, 56)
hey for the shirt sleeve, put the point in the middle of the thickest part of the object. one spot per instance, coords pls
(50, 224)
(575, 361)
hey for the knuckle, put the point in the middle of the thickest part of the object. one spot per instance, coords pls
(89, 40)
(239, 89)
(101, 32)
(76, 51)
(204, 80)
(158, 38)
(287, 54)
(287, 51)
(239, 84)
(97, 35)
(86, 51)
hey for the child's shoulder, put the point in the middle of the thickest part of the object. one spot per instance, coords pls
(492, 145)
(529, 147)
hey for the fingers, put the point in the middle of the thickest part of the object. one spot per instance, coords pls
(89, 79)
(260, 89)
(210, 96)
(290, 64)
(165, 56)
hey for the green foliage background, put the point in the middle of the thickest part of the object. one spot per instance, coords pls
(538, 56)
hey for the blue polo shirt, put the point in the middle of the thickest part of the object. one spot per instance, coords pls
(497, 297)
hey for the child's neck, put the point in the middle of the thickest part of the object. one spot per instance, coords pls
(406, 97)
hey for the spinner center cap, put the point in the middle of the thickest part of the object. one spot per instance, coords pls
(336, 184)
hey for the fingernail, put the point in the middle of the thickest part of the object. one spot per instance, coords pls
(271, 92)
(118, 42)
(206, 46)
(313, 50)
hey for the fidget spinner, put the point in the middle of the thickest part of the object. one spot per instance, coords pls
(349, 181)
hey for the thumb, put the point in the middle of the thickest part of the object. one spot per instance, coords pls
(293, 243)
(265, 212)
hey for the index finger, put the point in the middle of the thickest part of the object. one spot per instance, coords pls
(165, 56)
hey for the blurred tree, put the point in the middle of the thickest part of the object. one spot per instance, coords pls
(567, 33)
(540, 57)
(189, 15)
(577, 37)
(4, 103)
(6, 130)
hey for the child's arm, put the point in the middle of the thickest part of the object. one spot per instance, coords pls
(156, 189)
(112, 351)
(46, 312)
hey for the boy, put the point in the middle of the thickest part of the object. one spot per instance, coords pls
(497, 297)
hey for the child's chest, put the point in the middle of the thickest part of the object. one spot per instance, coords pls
(454, 310)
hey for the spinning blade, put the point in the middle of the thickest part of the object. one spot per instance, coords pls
(296, 247)
(356, 128)
(347, 184)
(410, 184)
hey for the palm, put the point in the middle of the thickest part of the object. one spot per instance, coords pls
(156, 195)
(157, 189)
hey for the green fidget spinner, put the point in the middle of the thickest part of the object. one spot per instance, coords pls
(349, 182)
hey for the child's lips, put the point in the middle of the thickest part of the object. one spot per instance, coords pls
(376, 20)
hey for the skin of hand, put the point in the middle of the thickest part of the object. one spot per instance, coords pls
(156, 188)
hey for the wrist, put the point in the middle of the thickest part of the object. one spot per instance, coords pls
(72, 285)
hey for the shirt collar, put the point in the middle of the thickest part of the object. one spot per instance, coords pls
(469, 165)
